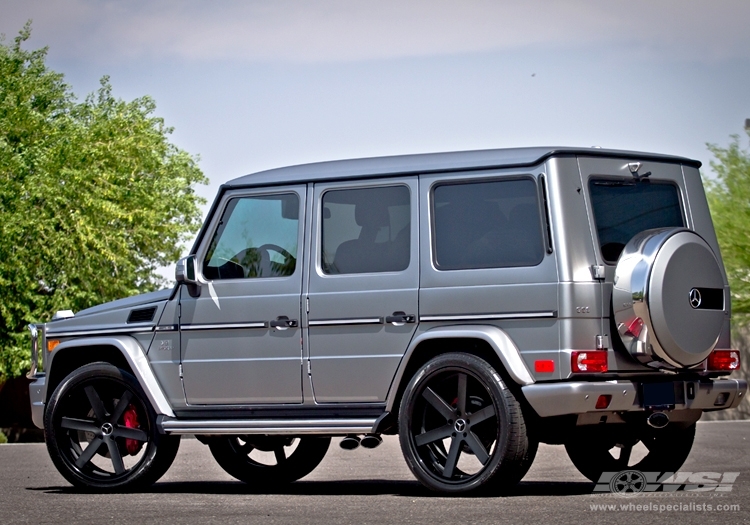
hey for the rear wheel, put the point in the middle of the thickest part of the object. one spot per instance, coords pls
(461, 428)
(269, 460)
(101, 433)
(596, 451)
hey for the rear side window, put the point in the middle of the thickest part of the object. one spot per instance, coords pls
(366, 230)
(492, 224)
(625, 208)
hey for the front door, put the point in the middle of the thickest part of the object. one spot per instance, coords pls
(363, 287)
(240, 338)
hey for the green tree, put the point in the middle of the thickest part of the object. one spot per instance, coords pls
(729, 200)
(93, 197)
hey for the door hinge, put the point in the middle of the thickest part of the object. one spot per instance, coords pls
(598, 271)
(309, 368)
(602, 342)
(307, 305)
(180, 368)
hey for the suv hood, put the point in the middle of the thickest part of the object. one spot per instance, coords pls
(129, 302)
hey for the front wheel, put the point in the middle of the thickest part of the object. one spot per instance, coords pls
(600, 450)
(268, 460)
(101, 433)
(461, 428)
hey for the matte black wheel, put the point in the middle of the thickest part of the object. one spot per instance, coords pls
(101, 434)
(594, 451)
(460, 427)
(269, 460)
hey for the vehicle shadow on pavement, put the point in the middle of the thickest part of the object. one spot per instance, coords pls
(374, 487)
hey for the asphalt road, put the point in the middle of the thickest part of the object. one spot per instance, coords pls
(373, 486)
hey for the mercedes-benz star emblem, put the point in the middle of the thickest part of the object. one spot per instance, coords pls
(695, 298)
(107, 429)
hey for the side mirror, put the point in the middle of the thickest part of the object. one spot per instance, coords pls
(185, 274)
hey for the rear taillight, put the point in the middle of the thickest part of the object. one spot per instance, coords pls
(724, 360)
(588, 361)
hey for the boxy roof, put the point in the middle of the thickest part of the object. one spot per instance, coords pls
(437, 163)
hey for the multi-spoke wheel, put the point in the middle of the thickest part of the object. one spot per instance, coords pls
(101, 434)
(618, 448)
(269, 460)
(460, 427)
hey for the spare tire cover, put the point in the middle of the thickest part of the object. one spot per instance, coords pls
(669, 298)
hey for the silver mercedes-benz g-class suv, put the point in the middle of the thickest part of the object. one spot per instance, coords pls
(475, 303)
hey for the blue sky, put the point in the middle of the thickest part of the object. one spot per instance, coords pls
(253, 85)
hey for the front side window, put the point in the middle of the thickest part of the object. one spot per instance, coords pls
(493, 224)
(623, 208)
(366, 230)
(257, 237)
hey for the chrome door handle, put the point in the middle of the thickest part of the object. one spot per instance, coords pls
(282, 322)
(399, 318)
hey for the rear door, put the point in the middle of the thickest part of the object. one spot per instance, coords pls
(626, 198)
(363, 286)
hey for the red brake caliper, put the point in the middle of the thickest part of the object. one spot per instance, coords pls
(133, 446)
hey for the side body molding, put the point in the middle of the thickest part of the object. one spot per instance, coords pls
(500, 342)
(136, 357)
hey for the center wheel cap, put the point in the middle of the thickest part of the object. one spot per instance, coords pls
(460, 425)
(107, 429)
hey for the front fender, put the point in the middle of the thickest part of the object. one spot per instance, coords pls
(136, 358)
(498, 340)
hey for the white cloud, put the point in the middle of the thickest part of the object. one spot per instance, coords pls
(348, 30)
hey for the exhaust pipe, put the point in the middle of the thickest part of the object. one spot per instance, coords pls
(350, 442)
(658, 420)
(371, 440)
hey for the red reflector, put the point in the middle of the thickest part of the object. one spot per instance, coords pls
(724, 360)
(588, 361)
(544, 365)
(603, 401)
(635, 327)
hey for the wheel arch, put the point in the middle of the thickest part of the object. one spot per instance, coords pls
(487, 342)
(122, 352)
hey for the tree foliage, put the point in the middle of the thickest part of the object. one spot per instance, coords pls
(93, 197)
(729, 200)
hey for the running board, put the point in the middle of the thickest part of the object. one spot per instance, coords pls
(168, 425)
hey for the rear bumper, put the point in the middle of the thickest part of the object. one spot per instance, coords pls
(557, 399)
(37, 394)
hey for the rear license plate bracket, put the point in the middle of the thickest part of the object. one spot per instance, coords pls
(659, 396)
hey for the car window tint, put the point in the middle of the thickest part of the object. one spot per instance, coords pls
(257, 237)
(366, 230)
(493, 224)
(625, 208)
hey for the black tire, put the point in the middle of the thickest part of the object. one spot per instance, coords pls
(268, 460)
(596, 450)
(457, 406)
(103, 408)
(526, 461)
